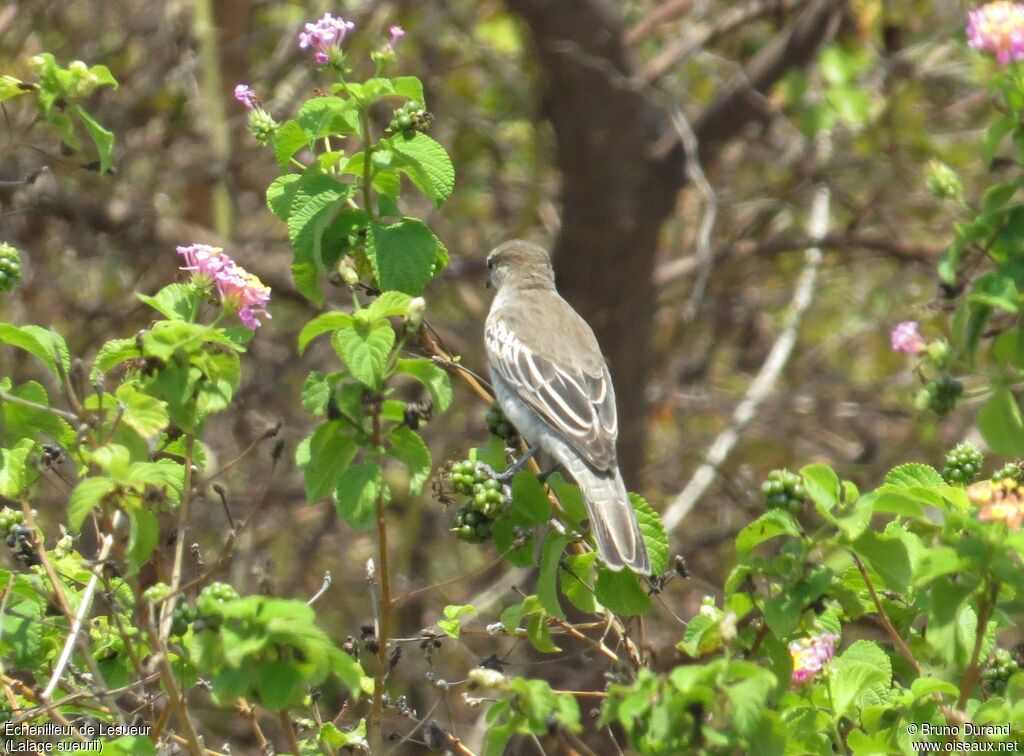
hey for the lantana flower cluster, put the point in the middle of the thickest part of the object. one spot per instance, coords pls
(810, 655)
(906, 338)
(999, 501)
(998, 29)
(325, 37)
(238, 288)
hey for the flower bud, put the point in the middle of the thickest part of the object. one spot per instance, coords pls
(414, 313)
(942, 181)
(347, 271)
(262, 125)
(487, 678)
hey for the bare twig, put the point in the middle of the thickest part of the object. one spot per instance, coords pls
(704, 258)
(84, 605)
(770, 371)
(884, 618)
(328, 579)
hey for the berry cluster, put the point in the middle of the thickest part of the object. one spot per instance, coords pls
(784, 490)
(10, 267)
(941, 395)
(409, 119)
(498, 424)
(262, 125)
(212, 595)
(486, 500)
(963, 464)
(1000, 668)
(17, 537)
(1011, 471)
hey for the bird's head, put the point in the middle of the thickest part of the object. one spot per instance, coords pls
(520, 264)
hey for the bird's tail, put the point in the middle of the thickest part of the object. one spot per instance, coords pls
(612, 518)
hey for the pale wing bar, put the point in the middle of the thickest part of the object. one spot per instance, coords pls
(579, 406)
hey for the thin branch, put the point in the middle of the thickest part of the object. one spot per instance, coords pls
(69, 416)
(289, 732)
(83, 608)
(770, 371)
(884, 618)
(328, 579)
(704, 258)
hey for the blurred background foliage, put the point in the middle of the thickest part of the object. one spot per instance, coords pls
(566, 123)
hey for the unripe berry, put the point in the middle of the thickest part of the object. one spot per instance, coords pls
(784, 490)
(963, 464)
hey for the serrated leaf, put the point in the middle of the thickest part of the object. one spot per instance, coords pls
(427, 164)
(409, 87)
(316, 203)
(281, 193)
(430, 375)
(12, 468)
(404, 255)
(822, 485)
(48, 346)
(321, 324)
(356, 493)
(547, 578)
(111, 354)
(913, 474)
(326, 457)
(316, 393)
(621, 591)
(145, 414)
(326, 116)
(653, 531)
(578, 582)
(364, 347)
(289, 138)
(85, 497)
(888, 556)
(774, 522)
(388, 305)
(408, 448)
(103, 138)
(860, 676)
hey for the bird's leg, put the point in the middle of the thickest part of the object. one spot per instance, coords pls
(511, 470)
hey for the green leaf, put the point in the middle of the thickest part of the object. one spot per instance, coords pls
(317, 201)
(288, 139)
(404, 255)
(364, 347)
(450, 625)
(84, 499)
(538, 633)
(529, 499)
(578, 583)
(327, 455)
(321, 324)
(409, 87)
(327, 116)
(621, 591)
(388, 305)
(1001, 424)
(143, 537)
(430, 375)
(653, 531)
(547, 578)
(994, 136)
(146, 415)
(13, 464)
(861, 676)
(427, 165)
(316, 393)
(111, 354)
(280, 684)
(913, 474)
(774, 522)
(888, 556)
(48, 346)
(822, 485)
(783, 610)
(356, 493)
(281, 193)
(408, 448)
(12, 87)
(101, 137)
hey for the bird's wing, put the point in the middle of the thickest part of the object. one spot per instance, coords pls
(579, 405)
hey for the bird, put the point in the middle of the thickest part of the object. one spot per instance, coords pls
(553, 384)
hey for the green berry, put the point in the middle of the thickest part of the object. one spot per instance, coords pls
(10, 267)
(498, 424)
(963, 464)
(1001, 666)
(1011, 470)
(783, 490)
(941, 395)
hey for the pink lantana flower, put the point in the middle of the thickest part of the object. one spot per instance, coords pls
(998, 29)
(810, 655)
(239, 289)
(907, 339)
(325, 36)
(396, 32)
(247, 96)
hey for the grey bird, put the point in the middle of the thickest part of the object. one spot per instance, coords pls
(552, 383)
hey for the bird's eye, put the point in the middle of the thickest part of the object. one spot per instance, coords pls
(490, 264)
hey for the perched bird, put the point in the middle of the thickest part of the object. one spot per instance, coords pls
(552, 383)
